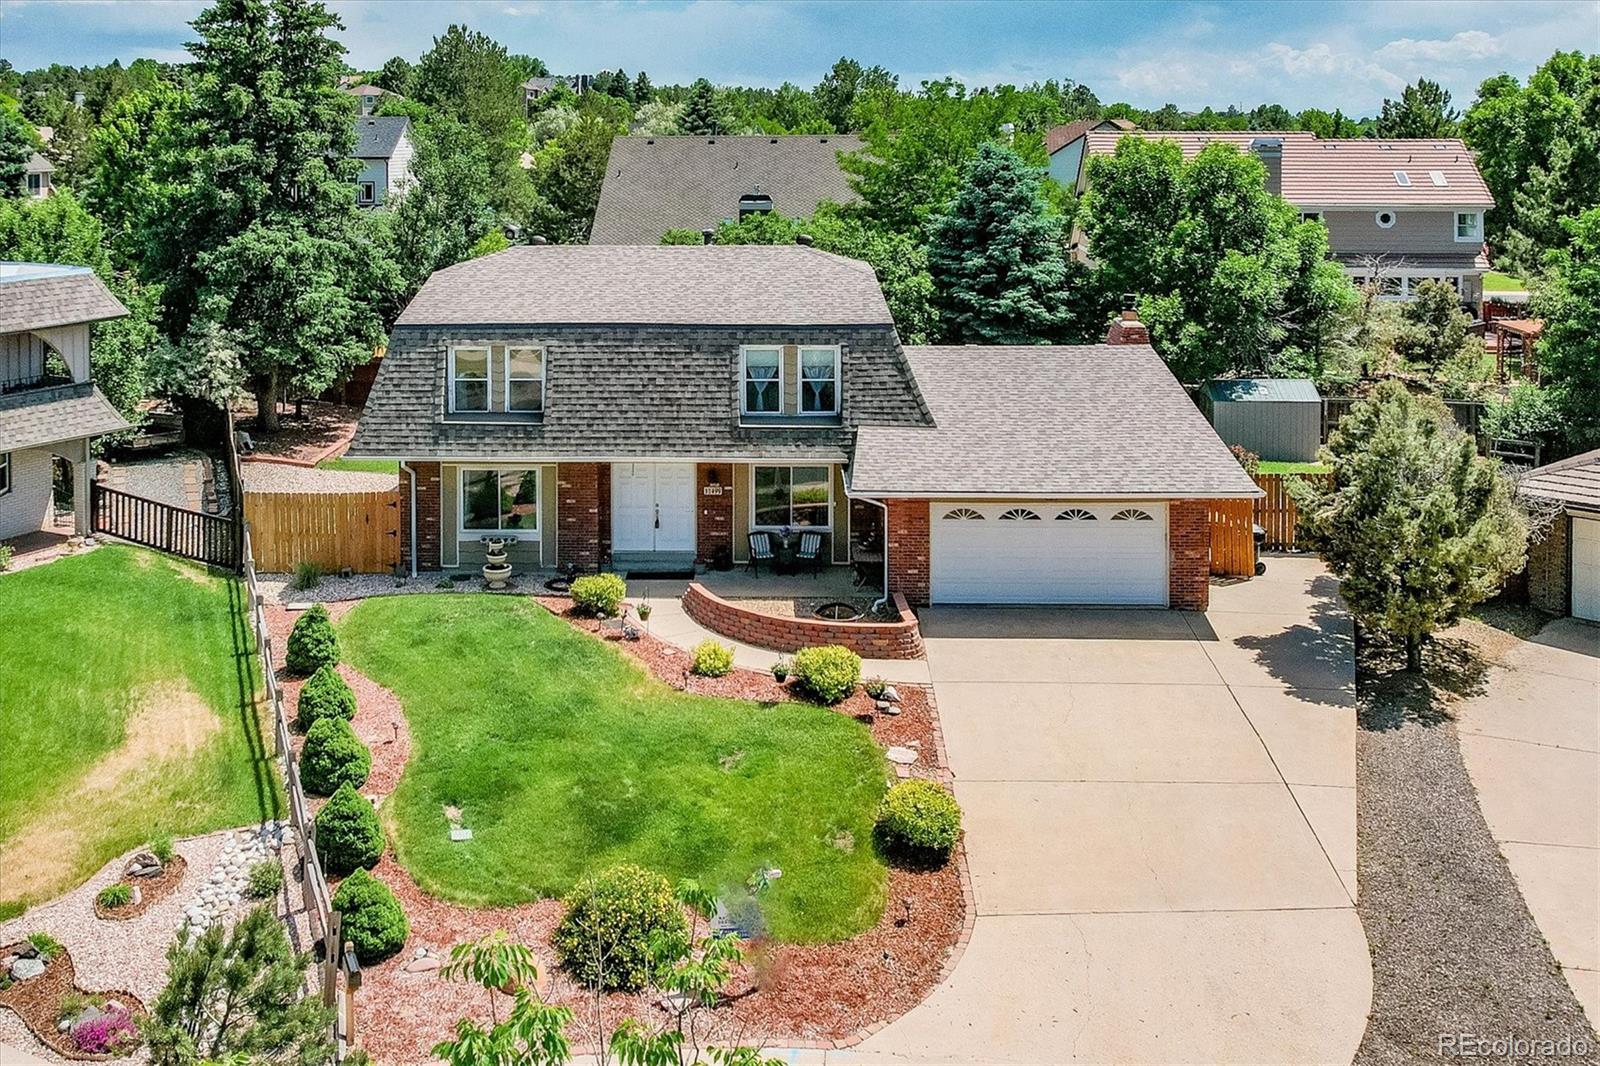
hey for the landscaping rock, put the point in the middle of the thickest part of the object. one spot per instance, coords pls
(23, 969)
(143, 864)
(882, 706)
(674, 1002)
(890, 709)
(425, 964)
(891, 694)
(901, 756)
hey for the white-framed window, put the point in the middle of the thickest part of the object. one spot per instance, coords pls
(1469, 226)
(819, 380)
(761, 379)
(35, 184)
(366, 193)
(503, 379)
(1385, 219)
(792, 497)
(500, 501)
(5, 473)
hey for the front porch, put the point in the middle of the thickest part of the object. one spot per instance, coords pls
(791, 594)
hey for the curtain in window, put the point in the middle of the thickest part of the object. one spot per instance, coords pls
(818, 382)
(762, 393)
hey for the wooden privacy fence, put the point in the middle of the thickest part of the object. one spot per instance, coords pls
(1233, 550)
(205, 538)
(332, 529)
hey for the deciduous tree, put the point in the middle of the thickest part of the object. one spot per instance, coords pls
(1569, 351)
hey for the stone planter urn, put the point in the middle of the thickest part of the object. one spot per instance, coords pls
(496, 570)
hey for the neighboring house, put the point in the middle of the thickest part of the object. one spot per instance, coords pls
(383, 146)
(1397, 211)
(37, 181)
(369, 96)
(49, 407)
(647, 408)
(1564, 567)
(536, 87)
(654, 184)
(1064, 145)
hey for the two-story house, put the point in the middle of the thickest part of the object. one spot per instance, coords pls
(384, 149)
(38, 177)
(368, 97)
(50, 409)
(647, 408)
(1398, 212)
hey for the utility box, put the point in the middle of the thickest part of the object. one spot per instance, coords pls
(1279, 419)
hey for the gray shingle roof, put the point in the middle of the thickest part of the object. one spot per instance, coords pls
(377, 135)
(1575, 481)
(41, 295)
(654, 184)
(49, 416)
(716, 285)
(1094, 420)
(38, 164)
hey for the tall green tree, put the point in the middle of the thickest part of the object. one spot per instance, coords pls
(1423, 110)
(847, 85)
(449, 207)
(703, 112)
(1434, 328)
(468, 76)
(998, 257)
(1569, 350)
(568, 173)
(18, 142)
(395, 75)
(1417, 526)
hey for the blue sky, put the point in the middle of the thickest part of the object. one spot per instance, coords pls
(1306, 54)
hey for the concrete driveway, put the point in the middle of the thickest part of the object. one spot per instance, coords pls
(1531, 742)
(1160, 817)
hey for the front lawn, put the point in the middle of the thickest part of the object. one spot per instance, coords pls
(1285, 467)
(364, 466)
(1494, 281)
(127, 709)
(566, 757)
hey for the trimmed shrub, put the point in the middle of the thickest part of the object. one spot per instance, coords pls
(598, 595)
(114, 896)
(374, 924)
(348, 834)
(312, 642)
(919, 818)
(333, 756)
(325, 695)
(712, 658)
(266, 879)
(829, 673)
(611, 919)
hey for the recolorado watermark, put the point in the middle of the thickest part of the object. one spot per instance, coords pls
(1518, 1048)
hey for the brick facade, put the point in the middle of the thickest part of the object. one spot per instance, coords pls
(870, 640)
(713, 530)
(427, 516)
(1189, 548)
(578, 512)
(1548, 562)
(906, 541)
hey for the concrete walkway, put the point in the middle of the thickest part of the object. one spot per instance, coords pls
(1531, 743)
(1160, 816)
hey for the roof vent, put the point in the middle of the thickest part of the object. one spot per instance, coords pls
(1438, 178)
(1402, 178)
(649, 140)
(711, 140)
(708, 235)
(803, 239)
(773, 141)
(824, 140)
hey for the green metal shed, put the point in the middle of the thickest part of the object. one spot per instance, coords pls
(1277, 418)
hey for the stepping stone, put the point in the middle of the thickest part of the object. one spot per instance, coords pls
(460, 834)
(901, 756)
(426, 964)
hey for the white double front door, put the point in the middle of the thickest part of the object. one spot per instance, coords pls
(652, 507)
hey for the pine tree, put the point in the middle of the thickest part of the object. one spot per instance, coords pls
(621, 86)
(703, 114)
(1423, 110)
(17, 143)
(997, 257)
(643, 91)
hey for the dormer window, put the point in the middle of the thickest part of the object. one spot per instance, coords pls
(819, 381)
(763, 380)
(1469, 226)
(754, 203)
(497, 378)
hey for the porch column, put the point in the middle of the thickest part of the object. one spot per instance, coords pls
(82, 490)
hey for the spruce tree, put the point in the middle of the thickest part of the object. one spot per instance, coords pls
(643, 91)
(998, 258)
(703, 114)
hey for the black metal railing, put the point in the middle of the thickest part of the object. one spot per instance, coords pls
(205, 538)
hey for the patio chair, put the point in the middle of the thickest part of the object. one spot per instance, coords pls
(810, 553)
(760, 551)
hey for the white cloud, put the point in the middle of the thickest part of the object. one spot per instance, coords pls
(1466, 46)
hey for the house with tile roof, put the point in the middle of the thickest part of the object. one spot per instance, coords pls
(1398, 212)
(384, 149)
(653, 408)
(653, 184)
(50, 409)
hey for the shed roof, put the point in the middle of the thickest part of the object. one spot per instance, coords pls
(1104, 420)
(1574, 482)
(377, 135)
(1263, 390)
(45, 295)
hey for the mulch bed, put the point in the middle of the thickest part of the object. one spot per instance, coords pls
(37, 1002)
(324, 429)
(152, 890)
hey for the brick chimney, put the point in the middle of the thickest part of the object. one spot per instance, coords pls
(1126, 327)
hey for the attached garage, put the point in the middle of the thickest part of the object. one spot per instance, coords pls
(1564, 563)
(1062, 551)
(1586, 568)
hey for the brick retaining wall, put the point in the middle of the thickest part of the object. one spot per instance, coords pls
(870, 640)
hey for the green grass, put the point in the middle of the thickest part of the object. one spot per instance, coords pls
(365, 466)
(127, 708)
(1280, 467)
(1494, 281)
(566, 757)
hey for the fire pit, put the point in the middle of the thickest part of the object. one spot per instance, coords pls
(837, 611)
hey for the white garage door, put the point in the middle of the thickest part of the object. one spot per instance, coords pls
(1060, 552)
(1586, 568)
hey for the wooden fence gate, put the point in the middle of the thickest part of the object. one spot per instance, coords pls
(360, 530)
(1233, 549)
(1276, 512)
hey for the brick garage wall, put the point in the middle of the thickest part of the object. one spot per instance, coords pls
(602, 481)
(870, 640)
(713, 530)
(578, 515)
(907, 542)
(1189, 545)
(1548, 561)
(427, 516)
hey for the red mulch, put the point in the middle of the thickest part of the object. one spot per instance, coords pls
(152, 890)
(325, 429)
(37, 1002)
(786, 993)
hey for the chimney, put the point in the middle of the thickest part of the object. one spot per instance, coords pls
(708, 235)
(1126, 327)
(1270, 152)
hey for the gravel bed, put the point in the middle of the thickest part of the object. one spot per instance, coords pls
(282, 477)
(174, 478)
(1454, 949)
